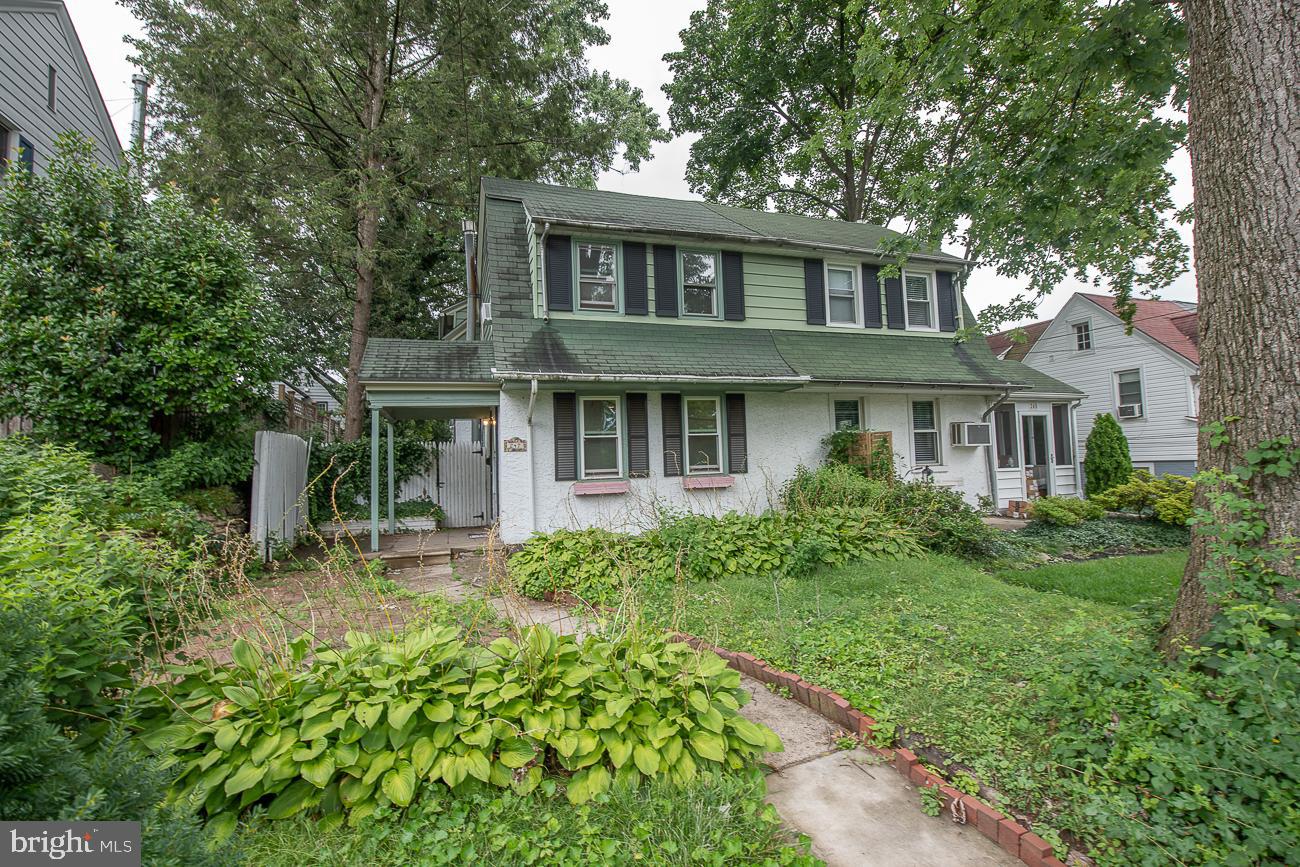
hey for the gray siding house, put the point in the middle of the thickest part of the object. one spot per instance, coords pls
(46, 86)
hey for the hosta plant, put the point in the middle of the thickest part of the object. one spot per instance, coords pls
(372, 723)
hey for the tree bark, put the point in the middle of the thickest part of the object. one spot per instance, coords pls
(368, 211)
(1244, 140)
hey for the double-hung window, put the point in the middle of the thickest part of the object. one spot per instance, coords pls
(703, 435)
(597, 276)
(602, 439)
(848, 415)
(918, 300)
(925, 432)
(841, 295)
(1082, 336)
(699, 283)
(1129, 386)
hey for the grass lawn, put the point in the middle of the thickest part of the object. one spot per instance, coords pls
(717, 820)
(1121, 581)
(935, 646)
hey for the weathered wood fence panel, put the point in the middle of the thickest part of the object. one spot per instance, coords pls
(278, 506)
(464, 475)
(15, 425)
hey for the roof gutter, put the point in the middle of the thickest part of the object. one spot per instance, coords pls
(540, 376)
(751, 239)
(893, 383)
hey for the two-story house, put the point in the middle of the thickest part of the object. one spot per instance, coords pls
(46, 87)
(632, 354)
(1147, 378)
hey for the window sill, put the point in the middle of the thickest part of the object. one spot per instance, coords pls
(704, 483)
(594, 489)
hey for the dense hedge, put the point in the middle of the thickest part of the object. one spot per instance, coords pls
(372, 724)
(596, 564)
(1106, 461)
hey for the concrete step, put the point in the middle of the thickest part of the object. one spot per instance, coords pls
(411, 559)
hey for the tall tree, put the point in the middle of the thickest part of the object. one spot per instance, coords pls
(1025, 130)
(1245, 148)
(350, 136)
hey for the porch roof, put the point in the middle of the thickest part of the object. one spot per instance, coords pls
(389, 360)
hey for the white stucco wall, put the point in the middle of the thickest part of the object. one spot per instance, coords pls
(784, 430)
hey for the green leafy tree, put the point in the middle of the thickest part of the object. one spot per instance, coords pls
(1026, 131)
(1106, 461)
(127, 322)
(350, 136)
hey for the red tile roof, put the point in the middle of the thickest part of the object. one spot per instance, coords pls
(1169, 323)
(1016, 349)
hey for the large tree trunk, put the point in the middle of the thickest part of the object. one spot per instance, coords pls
(1245, 148)
(369, 191)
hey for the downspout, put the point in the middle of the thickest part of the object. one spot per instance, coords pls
(471, 238)
(1074, 443)
(532, 463)
(990, 461)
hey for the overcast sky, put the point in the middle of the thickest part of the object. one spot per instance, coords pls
(640, 33)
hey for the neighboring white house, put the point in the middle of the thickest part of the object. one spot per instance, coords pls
(1148, 380)
(635, 354)
(46, 87)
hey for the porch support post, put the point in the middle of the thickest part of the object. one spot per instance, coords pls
(374, 479)
(392, 519)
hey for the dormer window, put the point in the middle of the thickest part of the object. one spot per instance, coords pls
(699, 283)
(841, 295)
(597, 276)
(918, 302)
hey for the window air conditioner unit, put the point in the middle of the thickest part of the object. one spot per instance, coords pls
(971, 433)
(1130, 410)
(485, 311)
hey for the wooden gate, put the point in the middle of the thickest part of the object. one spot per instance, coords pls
(279, 478)
(465, 483)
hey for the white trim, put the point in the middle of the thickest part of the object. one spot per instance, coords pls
(932, 291)
(615, 282)
(854, 272)
(617, 436)
(1074, 335)
(686, 434)
(1193, 396)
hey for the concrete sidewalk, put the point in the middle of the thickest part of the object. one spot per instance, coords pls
(857, 810)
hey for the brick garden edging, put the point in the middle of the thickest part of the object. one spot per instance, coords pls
(1013, 837)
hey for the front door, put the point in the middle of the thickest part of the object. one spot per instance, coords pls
(1038, 458)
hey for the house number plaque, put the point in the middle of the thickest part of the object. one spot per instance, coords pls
(515, 444)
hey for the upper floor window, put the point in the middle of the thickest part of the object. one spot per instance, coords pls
(918, 301)
(841, 295)
(597, 276)
(699, 283)
(925, 432)
(848, 415)
(1082, 336)
(52, 88)
(602, 442)
(703, 435)
(1128, 384)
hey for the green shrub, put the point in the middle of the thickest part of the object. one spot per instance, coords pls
(39, 768)
(1145, 494)
(33, 474)
(834, 485)
(596, 565)
(204, 464)
(1106, 534)
(340, 471)
(1106, 461)
(375, 722)
(1065, 511)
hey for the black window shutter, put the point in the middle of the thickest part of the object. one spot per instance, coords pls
(947, 301)
(733, 286)
(737, 446)
(672, 421)
(814, 290)
(665, 280)
(559, 273)
(566, 436)
(871, 296)
(635, 293)
(638, 435)
(894, 302)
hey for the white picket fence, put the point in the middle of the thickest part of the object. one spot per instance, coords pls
(277, 510)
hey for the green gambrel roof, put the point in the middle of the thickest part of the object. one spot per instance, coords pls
(391, 360)
(568, 205)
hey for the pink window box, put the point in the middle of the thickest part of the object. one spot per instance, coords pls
(701, 483)
(590, 489)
